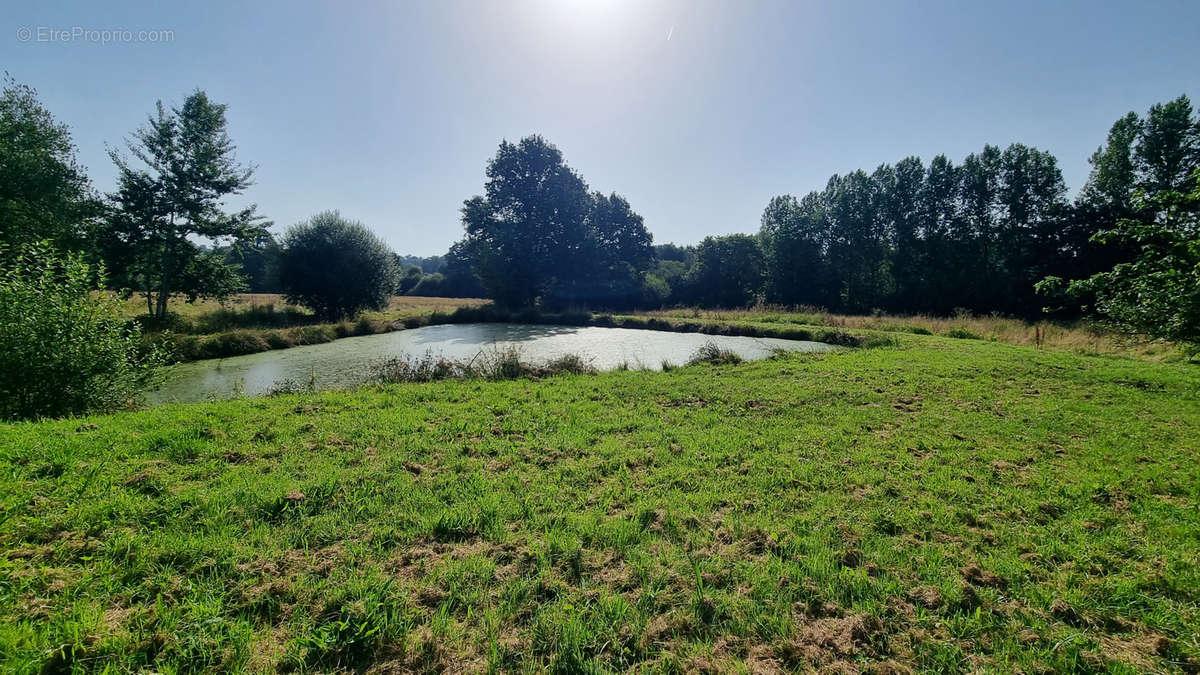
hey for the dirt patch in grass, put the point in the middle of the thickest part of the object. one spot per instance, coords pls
(980, 577)
(821, 642)
(1136, 651)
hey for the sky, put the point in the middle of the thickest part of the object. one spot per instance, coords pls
(697, 111)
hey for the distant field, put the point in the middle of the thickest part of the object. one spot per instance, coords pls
(399, 307)
(938, 505)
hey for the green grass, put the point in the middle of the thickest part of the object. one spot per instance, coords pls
(939, 504)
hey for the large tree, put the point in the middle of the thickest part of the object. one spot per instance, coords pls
(171, 193)
(1139, 267)
(44, 193)
(610, 261)
(728, 271)
(537, 234)
(794, 251)
(528, 226)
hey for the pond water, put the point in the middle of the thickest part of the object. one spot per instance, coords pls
(348, 362)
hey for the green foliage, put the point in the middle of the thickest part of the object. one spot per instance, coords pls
(912, 239)
(1140, 266)
(962, 334)
(728, 271)
(709, 352)
(538, 234)
(336, 267)
(64, 348)
(1158, 292)
(44, 193)
(172, 196)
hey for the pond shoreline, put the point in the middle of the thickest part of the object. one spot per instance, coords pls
(478, 349)
(191, 348)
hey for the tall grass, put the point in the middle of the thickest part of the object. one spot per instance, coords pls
(498, 363)
(1081, 336)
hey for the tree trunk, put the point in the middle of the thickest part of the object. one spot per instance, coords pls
(164, 272)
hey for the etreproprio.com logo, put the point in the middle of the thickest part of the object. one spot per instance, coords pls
(103, 36)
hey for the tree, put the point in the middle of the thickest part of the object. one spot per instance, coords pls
(44, 193)
(65, 348)
(1157, 293)
(728, 271)
(528, 227)
(538, 235)
(257, 260)
(408, 279)
(1168, 147)
(902, 209)
(187, 169)
(793, 253)
(336, 267)
(612, 258)
(1146, 163)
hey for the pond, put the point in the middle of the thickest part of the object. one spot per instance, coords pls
(348, 362)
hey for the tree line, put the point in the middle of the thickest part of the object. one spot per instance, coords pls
(994, 232)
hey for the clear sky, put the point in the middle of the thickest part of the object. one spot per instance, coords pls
(697, 111)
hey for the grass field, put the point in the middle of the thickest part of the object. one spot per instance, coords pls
(937, 505)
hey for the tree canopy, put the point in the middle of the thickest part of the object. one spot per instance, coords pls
(44, 193)
(170, 192)
(336, 267)
(537, 233)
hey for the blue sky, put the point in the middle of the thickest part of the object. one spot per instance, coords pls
(698, 112)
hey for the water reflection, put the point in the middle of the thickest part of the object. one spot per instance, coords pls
(348, 362)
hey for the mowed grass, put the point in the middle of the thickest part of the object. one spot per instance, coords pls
(941, 505)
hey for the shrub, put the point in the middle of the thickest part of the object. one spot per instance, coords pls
(233, 343)
(711, 353)
(65, 349)
(962, 334)
(499, 363)
(336, 267)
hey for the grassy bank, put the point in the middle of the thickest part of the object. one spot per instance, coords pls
(251, 323)
(1081, 336)
(937, 505)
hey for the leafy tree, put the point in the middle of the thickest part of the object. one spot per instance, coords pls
(336, 267)
(538, 234)
(256, 260)
(612, 258)
(1158, 292)
(65, 349)
(187, 168)
(408, 280)
(44, 193)
(794, 256)
(1120, 215)
(528, 227)
(1168, 147)
(728, 271)
(902, 208)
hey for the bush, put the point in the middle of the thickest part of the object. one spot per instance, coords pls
(711, 353)
(65, 349)
(498, 363)
(962, 334)
(336, 267)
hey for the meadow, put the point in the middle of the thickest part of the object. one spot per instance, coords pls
(927, 504)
